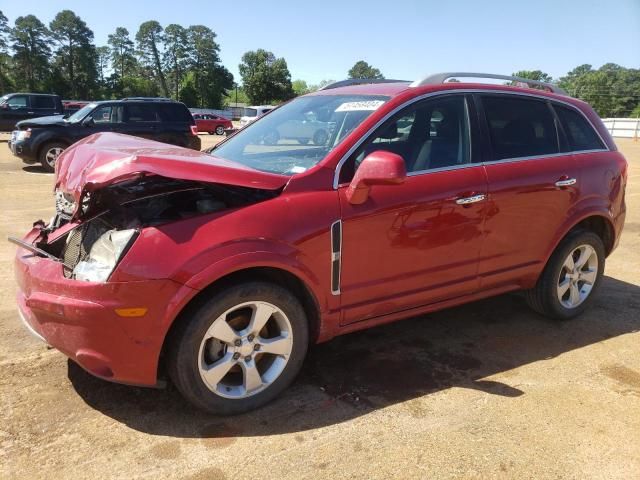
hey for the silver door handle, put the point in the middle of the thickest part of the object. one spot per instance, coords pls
(473, 199)
(566, 183)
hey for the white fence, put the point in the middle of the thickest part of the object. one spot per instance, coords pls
(623, 127)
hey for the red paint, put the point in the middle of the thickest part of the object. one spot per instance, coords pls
(208, 123)
(106, 158)
(407, 247)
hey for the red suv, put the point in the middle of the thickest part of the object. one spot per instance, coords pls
(221, 269)
(210, 123)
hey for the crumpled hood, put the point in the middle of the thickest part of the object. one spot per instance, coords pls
(104, 159)
(42, 122)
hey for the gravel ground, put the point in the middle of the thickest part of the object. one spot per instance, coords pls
(487, 390)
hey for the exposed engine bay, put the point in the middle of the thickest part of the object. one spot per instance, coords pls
(108, 220)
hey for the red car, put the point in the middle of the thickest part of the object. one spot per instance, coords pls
(221, 269)
(210, 123)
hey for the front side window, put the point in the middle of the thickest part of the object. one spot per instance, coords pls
(17, 102)
(580, 134)
(286, 142)
(520, 127)
(107, 114)
(82, 113)
(428, 135)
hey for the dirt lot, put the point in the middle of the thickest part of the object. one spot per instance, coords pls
(488, 390)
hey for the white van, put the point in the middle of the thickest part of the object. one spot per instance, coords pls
(253, 112)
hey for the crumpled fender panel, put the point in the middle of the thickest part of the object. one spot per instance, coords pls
(104, 159)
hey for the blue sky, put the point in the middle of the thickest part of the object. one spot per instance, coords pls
(323, 39)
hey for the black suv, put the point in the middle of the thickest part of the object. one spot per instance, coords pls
(43, 139)
(23, 106)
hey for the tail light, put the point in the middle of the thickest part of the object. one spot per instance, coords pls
(194, 130)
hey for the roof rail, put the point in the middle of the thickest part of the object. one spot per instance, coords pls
(360, 81)
(442, 77)
(149, 99)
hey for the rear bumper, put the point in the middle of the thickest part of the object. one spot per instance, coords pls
(80, 319)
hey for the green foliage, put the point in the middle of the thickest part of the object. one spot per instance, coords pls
(362, 69)
(76, 54)
(612, 90)
(300, 87)
(265, 78)
(30, 44)
(122, 54)
(211, 78)
(176, 56)
(149, 39)
(538, 75)
(235, 95)
(4, 53)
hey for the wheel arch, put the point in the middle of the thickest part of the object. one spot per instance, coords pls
(270, 274)
(596, 222)
(47, 141)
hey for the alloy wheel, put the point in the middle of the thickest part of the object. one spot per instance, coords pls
(52, 155)
(577, 276)
(245, 349)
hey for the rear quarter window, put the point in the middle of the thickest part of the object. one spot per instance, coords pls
(579, 132)
(175, 112)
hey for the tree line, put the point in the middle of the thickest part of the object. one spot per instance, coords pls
(184, 63)
(172, 61)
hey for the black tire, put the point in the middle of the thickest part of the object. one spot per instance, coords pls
(543, 298)
(219, 130)
(183, 351)
(45, 152)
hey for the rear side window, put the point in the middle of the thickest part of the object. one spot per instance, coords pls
(520, 127)
(142, 112)
(175, 112)
(43, 102)
(580, 134)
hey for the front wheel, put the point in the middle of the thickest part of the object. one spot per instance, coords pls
(571, 277)
(240, 349)
(49, 154)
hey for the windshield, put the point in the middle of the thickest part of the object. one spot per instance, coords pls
(250, 112)
(80, 114)
(300, 134)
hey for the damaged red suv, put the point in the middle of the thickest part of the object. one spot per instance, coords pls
(219, 269)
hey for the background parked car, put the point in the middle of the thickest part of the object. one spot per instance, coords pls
(254, 112)
(210, 123)
(15, 107)
(305, 129)
(43, 139)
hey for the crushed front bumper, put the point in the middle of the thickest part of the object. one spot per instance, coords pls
(80, 318)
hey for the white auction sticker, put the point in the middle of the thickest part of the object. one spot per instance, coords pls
(360, 106)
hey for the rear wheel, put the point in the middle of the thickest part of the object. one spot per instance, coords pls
(49, 153)
(571, 277)
(219, 130)
(240, 349)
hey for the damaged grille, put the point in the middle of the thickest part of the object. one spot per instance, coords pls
(79, 243)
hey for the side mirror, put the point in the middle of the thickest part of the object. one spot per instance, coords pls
(377, 168)
(88, 122)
